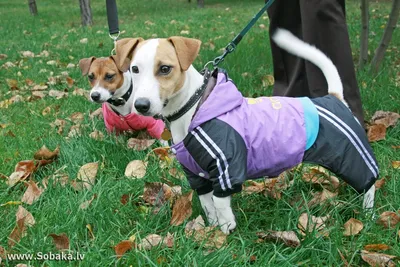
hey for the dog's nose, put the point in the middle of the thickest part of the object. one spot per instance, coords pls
(142, 105)
(95, 96)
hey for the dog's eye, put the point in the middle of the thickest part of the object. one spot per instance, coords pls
(164, 69)
(109, 76)
(135, 69)
(91, 76)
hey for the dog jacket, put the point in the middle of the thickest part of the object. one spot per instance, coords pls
(232, 138)
(131, 122)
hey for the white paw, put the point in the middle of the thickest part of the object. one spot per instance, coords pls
(207, 204)
(226, 218)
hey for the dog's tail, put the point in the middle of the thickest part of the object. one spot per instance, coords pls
(287, 41)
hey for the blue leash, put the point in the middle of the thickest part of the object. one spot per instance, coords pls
(235, 41)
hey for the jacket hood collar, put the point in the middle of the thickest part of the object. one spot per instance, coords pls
(222, 99)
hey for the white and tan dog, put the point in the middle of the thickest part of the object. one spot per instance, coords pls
(165, 81)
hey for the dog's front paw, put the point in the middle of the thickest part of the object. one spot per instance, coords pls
(225, 216)
(207, 204)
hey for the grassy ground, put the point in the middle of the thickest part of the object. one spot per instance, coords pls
(57, 29)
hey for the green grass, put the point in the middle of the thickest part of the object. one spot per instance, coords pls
(57, 29)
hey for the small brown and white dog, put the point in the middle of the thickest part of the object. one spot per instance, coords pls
(112, 87)
(164, 82)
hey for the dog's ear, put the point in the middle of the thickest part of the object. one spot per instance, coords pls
(125, 65)
(124, 49)
(186, 49)
(85, 63)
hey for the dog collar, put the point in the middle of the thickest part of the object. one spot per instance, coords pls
(120, 101)
(192, 101)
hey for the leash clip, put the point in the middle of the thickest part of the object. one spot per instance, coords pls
(228, 49)
(114, 37)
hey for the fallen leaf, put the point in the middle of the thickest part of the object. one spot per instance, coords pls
(136, 169)
(321, 197)
(376, 132)
(396, 164)
(3, 252)
(140, 144)
(396, 147)
(375, 247)
(174, 172)
(288, 237)
(211, 237)
(156, 193)
(39, 87)
(38, 95)
(254, 187)
(57, 94)
(389, 219)
(32, 193)
(150, 241)
(51, 62)
(321, 176)
(17, 233)
(87, 175)
(27, 54)
(83, 40)
(386, 118)
(182, 209)
(3, 56)
(8, 65)
(12, 84)
(70, 81)
(122, 247)
(316, 223)
(162, 153)
(352, 227)
(15, 177)
(24, 214)
(378, 259)
(76, 117)
(96, 135)
(168, 241)
(61, 241)
(45, 153)
(80, 92)
(97, 113)
(87, 203)
(70, 66)
(74, 131)
(59, 124)
(380, 183)
(184, 32)
(267, 80)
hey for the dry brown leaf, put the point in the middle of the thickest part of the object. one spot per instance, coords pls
(162, 153)
(168, 241)
(140, 144)
(13, 84)
(150, 241)
(59, 124)
(96, 135)
(321, 197)
(210, 236)
(39, 87)
(380, 183)
(396, 164)
(182, 209)
(17, 233)
(87, 175)
(70, 81)
(396, 147)
(376, 132)
(15, 177)
(254, 187)
(352, 227)
(45, 153)
(320, 175)
(32, 193)
(156, 193)
(386, 118)
(76, 117)
(389, 219)
(288, 237)
(23, 213)
(97, 113)
(124, 199)
(136, 169)
(3, 56)
(3, 252)
(61, 241)
(74, 131)
(174, 172)
(378, 259)
(80, 92)
(316, 223)
(57, 94)
(123, 247)
(376, 247)
(27, 54)
(87, 203)
(267, 80)
(46, 111)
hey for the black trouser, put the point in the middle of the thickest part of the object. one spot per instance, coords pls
(321, 23)
(342, 145)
